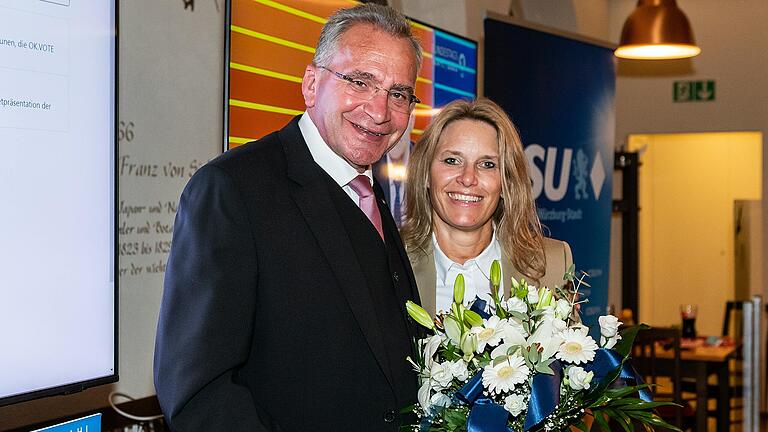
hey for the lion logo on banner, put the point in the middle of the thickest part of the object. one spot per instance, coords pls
(580, 174)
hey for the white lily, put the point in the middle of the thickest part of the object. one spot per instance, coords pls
(491, 333)
(501, 350)
(440, 400)
(424, 394)
(430, 348)
(513, 336)
(548, 338)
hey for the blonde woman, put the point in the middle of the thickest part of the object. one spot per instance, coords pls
(469, 202)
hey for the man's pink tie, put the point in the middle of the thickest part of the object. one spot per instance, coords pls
(362, 186)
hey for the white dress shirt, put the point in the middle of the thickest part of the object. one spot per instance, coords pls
(476, 271)
(336, 167)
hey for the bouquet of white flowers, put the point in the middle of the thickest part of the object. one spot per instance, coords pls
(525, 363)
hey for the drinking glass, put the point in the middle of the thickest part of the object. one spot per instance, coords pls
(688, 314)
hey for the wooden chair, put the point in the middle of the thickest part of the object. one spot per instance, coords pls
(651, 367)
(731, 308)
(733, 314)
(735, 308)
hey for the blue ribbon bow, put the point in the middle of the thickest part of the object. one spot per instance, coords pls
(488, 416)
(479, 307)
(485, 415)
(545, 396)
(607, 360)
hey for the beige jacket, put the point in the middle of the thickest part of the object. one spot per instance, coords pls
(558, 256)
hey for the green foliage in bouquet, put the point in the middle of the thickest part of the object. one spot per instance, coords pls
(527, 365)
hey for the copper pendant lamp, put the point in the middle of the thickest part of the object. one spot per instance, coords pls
(657, 30)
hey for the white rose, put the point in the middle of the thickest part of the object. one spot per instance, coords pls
(578, 378)
(559, 325)
(562, 309)
(609, 342)
(515, 404)
(516, 305)
(440, 374)
(533, 295)
(459, 370)
(581, 328)
(609, 325)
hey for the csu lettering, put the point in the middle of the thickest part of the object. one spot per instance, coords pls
(545, 181)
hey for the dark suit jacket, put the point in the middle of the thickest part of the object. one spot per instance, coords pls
(272, 315)
(380, 171)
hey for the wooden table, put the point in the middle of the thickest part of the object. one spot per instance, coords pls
(699, 362)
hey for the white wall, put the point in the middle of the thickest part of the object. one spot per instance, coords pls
(734, 47)
(584, 17)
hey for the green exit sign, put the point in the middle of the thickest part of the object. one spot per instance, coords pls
(694, 91)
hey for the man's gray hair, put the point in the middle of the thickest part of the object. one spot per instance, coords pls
(384, 18)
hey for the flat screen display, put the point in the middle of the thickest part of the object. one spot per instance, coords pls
(58, 146)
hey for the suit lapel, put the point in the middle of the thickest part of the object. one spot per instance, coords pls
(313, 199)
(508, 271)
(423, 264)
(389, 226)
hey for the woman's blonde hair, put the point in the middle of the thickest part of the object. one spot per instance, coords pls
(517, 226)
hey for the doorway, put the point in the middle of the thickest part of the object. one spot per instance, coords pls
(688, 184)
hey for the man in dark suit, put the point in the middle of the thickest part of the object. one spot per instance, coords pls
(284, 301)
(390, 171)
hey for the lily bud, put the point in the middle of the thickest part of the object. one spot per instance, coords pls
(453, 329)
(522, 291)
(545, 298)
(458, 289)
(468, 344)
(496, 274)
(419, 315)
(472, 319)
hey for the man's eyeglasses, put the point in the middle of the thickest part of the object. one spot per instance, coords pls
(398, 100)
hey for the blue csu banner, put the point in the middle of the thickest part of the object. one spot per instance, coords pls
(560, 94)
(455, 67)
